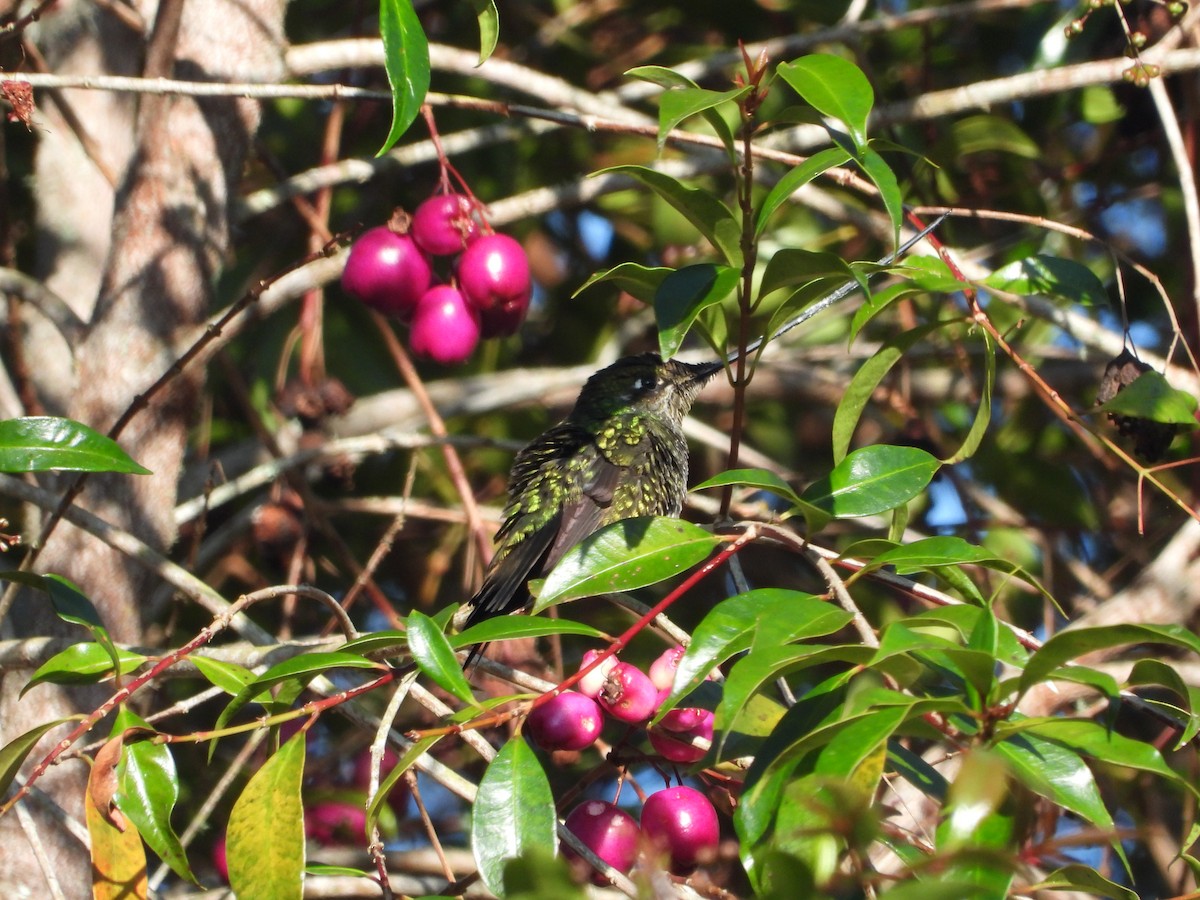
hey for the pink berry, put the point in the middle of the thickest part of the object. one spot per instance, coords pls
(682, 822)
(593, 682)
(220, 858)
(335, 822)
(663, 669)
(387, 271)
(607, 831)
(444, 224)
(628, 694)
(444, 328)
(569, 721)
(493, 273)
(687, 723)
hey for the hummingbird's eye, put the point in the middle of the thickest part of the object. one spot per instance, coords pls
(645, 383)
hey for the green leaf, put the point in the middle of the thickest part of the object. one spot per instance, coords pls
(406, 59)
(761, 479)
(835, 87)
(682, 103)
(1150, 396)
(71, 606)
(946, 551)
(672, 81)
(882, 176)
(872, 480)
(983, 415)
(12, 755)
(868, 377)
(790, 267)
(1083, 879)
(1074, 642)
(87, 663)
(433, 653)
(513, 812)
(732, 625)
(1050, 276)
(265, 840)
(506, 628)
(228, 676)
(640, 281)
(148, 792)
(489, 27)
(796, 178)
(681, 297)
(298, 670)
(377, 643)
(624, 556)
(43, 443)
(711, 217)
(984, 132)
(1156, 672)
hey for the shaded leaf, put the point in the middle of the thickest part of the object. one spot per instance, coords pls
(489, 27)
(640, 281)
(1050, 276)
(43, 443)
(882, 176)
(789, 267)
(681, 297)
(506, 628)
(1085, 879)
(265, 839)
(13, 754)
(796, 178)
(513, 811)
(624, 556)
(985, 132)
(711, 217)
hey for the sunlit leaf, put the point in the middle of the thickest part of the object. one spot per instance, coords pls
(796, 178)
(43, 443)
(489, 27)
(1050, 276)
(835, 87)
(872, 480)
(639, 281)
(681, 297)
(1150, 396)
(265, 840)
(406, 59)
(435, 656)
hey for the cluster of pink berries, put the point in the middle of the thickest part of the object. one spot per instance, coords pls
(391, 269)
(680, 822)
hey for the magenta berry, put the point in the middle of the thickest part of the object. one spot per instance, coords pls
(387, 271)
(335, 822)
(493, 273)
(444, 224)
(593, 682)
(686, 723)
(569, 721)
(628, 694)
(607, 831)
(682, 822)
(662, 670)
(444, 327)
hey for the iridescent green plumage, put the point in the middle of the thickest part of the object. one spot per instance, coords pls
(620, 453)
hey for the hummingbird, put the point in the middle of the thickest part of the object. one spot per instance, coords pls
(620, 453)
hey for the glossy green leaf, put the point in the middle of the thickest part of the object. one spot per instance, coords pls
(872, 480)
(507, 628)
(1093, 739)
(228, 676)
(86, 663)
(882, 176)
(711, 217)
(406, 59)
(1067, 645)
(732, 625)
(762, 479)
(513, 811)
(265, 839)
(298, 670)
(489, 27)
(1150, 396)
(862, 386)
(790, 267)
(1050, 276)
(796, 178)
(1085, 880)
(877, 302)
(681, 103)
(433, 653)
(639, 281)
(1157, 672)
(43, 443)
(671, 80)
(377, 643)
(681, 297)
(624, 556)
(1057, 773)
(148, 792)
(835, 87)
(13, 754)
